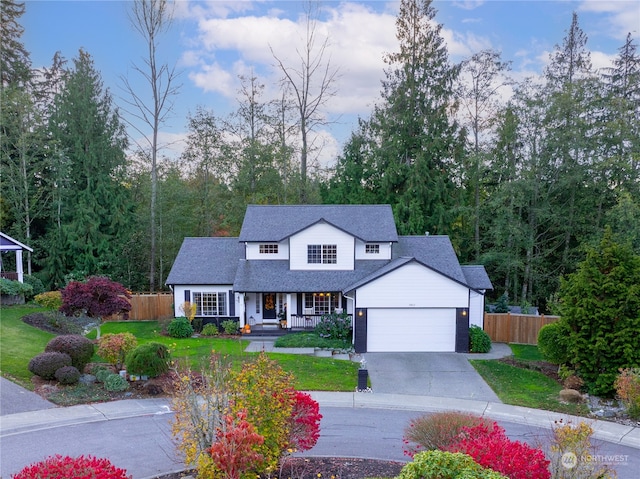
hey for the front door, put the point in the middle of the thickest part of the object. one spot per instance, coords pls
(269, 305)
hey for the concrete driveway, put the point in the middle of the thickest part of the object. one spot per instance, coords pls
(430, 374)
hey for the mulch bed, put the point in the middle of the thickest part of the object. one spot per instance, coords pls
(326, 468)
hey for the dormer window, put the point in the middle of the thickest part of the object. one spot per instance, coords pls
(372, 248)
(322, 254)
(269, 248)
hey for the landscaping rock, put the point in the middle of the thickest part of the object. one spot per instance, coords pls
(87, 379)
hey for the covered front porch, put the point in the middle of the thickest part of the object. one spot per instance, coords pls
(290, 311)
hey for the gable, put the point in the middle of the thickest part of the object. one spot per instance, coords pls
(412, 285)
(370, 223)
(321, 235)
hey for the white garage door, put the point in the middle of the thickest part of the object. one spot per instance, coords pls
(411, 330)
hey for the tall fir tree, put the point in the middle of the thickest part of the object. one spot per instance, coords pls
(415, 137)
(94, 211)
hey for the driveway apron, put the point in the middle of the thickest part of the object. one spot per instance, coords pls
(427, 374)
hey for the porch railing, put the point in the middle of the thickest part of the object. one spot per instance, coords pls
(306, 321)
(9, 275)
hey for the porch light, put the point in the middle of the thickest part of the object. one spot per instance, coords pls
(464, 312)
(360, 313)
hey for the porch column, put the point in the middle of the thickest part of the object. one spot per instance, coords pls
(19, 269)
(288, 311)
(241, 309)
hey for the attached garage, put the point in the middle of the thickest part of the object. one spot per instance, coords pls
(411, 330)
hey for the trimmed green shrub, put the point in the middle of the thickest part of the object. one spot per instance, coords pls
(14, 288)
(50, 299)
(36, 286)
(180, 327)
(101, 373)
(552, 342)
(115, 382)
(46, 364)
(68, 375)
(210, 330)
(150, 359)
(334, 326)
(445, 465)
(479, 340)
(79, 348)
(229, 326)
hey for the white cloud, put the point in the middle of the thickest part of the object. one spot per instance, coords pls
(623, 16)
(214, 78)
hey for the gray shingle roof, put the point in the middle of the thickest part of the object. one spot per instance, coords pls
(435, 252)
(206, 261)
(221, 260)
(373, 223)
(275, 276)
(477, 277)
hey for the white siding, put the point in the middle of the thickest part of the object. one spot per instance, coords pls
(178, 295)
(322, 234)
(385, 251)
(412, 286)
(476, 309)
(411, 330)
(252, 251)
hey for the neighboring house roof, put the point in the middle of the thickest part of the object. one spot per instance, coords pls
(7, 243)
(206, 261)
(477, 277)
(372, 223)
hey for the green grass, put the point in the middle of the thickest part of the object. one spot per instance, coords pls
(311, 340)
(19, 342)
(524, 387)
(526, 352)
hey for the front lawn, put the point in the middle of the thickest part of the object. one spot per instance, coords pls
(19, 342)
(522, 385)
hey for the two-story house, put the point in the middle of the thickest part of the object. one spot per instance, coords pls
(298, 263)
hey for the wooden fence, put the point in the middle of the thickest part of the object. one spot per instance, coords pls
(515, 328)
(149, 306)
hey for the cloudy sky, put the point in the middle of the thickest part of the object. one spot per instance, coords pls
(213, 42)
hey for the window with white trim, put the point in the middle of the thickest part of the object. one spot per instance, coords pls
(372, 248)
(322, 254)
(321, 303)
(210, 304)
(269, 248)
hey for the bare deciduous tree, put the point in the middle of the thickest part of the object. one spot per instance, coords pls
(151, 19)
(312, 85)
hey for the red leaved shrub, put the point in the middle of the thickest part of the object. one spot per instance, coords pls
(233, 450)
(98, 297)
(305, 422)
(65, 467)
(490, 447)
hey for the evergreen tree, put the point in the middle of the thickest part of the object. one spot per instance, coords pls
(15, 64)
(600, 304)
(416, 139)
(94, 212)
